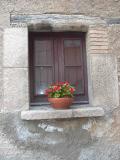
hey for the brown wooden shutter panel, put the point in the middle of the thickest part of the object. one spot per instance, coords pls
(74, 64)
(44, 64)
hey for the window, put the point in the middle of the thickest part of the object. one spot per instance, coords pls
(57, 57)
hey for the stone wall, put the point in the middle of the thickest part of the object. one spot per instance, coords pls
(73, 139)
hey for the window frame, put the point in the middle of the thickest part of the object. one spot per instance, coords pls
(43, 35)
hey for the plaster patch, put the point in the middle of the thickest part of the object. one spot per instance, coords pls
(23, 133)
(49, 140)
(86, 154)
(87, 125)
(49, 128)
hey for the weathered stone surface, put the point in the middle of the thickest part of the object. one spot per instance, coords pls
(56, 22)
(104, 80)
(54, 18)
(1, 45)
(45, 114)
(15, 89)
(6, 6)
(101, 8)
(114, 46)
(88, 112)
(114, 39)
(15, 47)
(113, 21)
(1, 71)
(1, 88)
(78, 139)
(59, 114)
(54, 139)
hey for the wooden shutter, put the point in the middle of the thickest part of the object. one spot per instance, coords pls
(42, 66)
(72, 66)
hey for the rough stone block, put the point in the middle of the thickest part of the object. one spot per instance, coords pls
(56, 22)
(60, 114)
(15, 89)
(1, 89)
(104, 80)
(15, 47)
(114, 39)
(1, 47)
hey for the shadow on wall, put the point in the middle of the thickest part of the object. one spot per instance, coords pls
(43, 26)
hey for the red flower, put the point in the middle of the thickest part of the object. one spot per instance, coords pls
(63, 88)
(56, 88)
(72, 90)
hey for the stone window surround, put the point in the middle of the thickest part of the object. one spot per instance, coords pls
(96, 34)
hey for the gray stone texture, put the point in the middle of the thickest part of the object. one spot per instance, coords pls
(73, 112)
(104, 80)
(56, 21)
(1, 70)
(92, 8)
(114, 45)
(86, 138)
(15, 47)
(79, 139)
(15, 89)
(114, 39)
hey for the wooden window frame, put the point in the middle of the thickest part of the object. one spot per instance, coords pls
(31, 62)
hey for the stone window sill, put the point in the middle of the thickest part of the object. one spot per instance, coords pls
(78, 111)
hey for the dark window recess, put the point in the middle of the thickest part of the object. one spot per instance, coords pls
(55, 57)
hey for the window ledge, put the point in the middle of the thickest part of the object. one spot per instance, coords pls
(39, 113)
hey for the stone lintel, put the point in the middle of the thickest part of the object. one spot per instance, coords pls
(55, 22)
(49, 113)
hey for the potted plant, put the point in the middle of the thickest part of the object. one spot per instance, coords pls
(60, 95)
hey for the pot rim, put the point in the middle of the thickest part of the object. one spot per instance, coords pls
(61, 98)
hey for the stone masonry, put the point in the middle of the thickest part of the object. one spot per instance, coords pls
(63, 139)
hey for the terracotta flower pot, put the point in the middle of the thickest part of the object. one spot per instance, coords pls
(61, 103)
